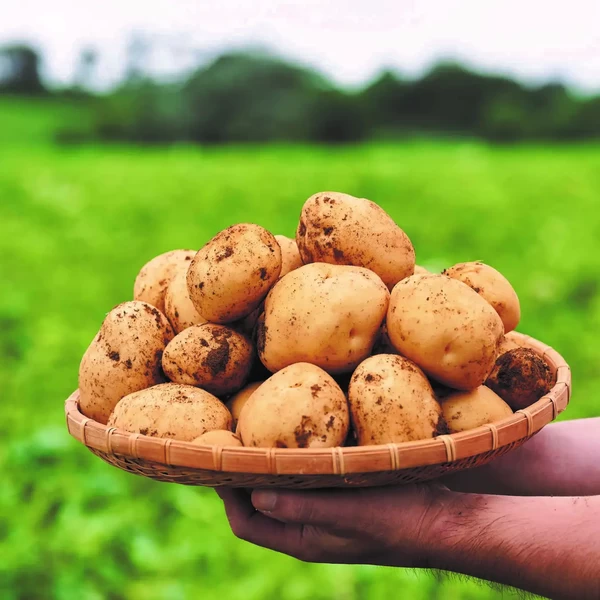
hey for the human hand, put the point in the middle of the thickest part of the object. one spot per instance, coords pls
(391, 526)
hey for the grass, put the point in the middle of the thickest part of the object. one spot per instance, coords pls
(76, 226)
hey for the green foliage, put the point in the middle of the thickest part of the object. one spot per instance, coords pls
(76, 226)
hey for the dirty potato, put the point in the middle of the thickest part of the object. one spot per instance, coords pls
(230, 276)
(170, 410)
(328, 315)
(491, 285)
(446, 328)
(213, 357)
(123, 358)
(237, 401)
(391, 401)
(179, 309)
(301, 406)
(290, 257)
(340, 229)
(468, 410)
(155, 276)
(520, 377)
(218, 437)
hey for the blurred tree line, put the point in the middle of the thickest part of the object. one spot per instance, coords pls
(254, 96)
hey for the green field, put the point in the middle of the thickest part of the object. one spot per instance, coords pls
(76, 225)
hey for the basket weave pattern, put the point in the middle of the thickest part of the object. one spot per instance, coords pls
(390, 464)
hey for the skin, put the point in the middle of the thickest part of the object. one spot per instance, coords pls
(530, 519)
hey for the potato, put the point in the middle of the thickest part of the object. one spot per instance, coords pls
(290, 257)
(520, 377)
(391, 401)
(237, 402)
(179, 309)
(340, 229)
(218, 437)
(123, 358)
(170, 410)
(421, 270)
(491, 285)
(301, 406)
(328, 315)
(468, 410)
(155, 276)
(213, 357)
(506, 344)
(446, 328)
(229, 277)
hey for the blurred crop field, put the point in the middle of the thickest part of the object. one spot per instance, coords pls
(77, 223)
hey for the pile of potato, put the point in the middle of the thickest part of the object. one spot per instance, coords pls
(334, 338)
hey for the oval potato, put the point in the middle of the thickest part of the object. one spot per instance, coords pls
(229, 276)
(468, 410)
(170, 410)
(491, 285)
(419, 270)
(213, 357)
(124, 357)
(391, 401)
(301, 406)
(218, 437)
(155, 276)
(328, 315)
(290, 256)
(179, 309)
(446, 328)
(237, 401)
(340, 229)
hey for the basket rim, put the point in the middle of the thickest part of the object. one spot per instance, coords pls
(332, 461)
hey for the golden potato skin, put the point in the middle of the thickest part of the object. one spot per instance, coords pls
(179, 309)
(328, 315)
(446, 328)
(520, 377)
(290, 256)
(340, 229)
(218, 437)
(391, 401)
(213, 357)
(491, 285)
(468, 410)
(237, 402)
(124, 357)
(155, 276)
(300, 406)
(170, 410)
(229, 276)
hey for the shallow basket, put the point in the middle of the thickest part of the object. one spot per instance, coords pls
(408, 462)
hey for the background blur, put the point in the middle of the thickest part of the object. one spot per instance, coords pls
(131, 128)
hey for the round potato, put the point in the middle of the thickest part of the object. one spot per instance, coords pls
(491, 285)
(213, 357)
(237, 402)
(340, 229)
(391, 401)
(123, 358)
(520, 377)
(446, 328)
(179, 309)
(218, 437)
(421, 270)
(229, 276)
(301, 406)
(170, 410)
(328, 315)
(290, 257)
(468, 410)
(155, 276)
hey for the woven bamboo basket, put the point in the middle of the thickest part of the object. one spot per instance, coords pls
(390, 464)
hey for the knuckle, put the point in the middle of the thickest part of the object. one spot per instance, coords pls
(239, 529)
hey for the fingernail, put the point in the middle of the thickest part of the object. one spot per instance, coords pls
(264, 500)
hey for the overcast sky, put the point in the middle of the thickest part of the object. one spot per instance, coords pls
(347, 39)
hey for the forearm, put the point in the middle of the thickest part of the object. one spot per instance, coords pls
(561, 460)
(548, 546)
